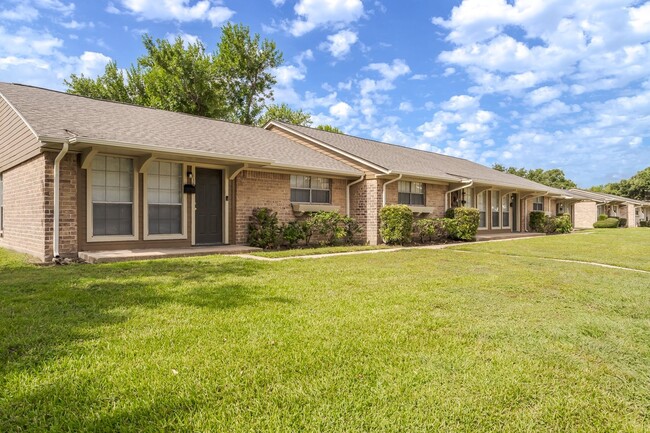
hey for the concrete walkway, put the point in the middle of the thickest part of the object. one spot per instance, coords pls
(161, 253)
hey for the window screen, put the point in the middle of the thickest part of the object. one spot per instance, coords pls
(112, 196)
(165, 198)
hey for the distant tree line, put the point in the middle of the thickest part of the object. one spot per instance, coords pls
(636, 187)
(554, 177)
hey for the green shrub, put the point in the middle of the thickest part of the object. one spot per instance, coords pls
(465, 224)
(431, 229)
(263, 229)
(644, 223)
(602, 217)
(329, 225)
(449, 213)
(351, 228)
(622, 222)
(538, 221)
(609, 223)
(292, 233)
(396, 224)
(559, 224)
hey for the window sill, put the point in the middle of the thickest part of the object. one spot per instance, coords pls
(312, 207)
(421, 210)
(109, 238)
(170, 237)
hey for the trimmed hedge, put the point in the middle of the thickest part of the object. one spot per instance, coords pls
(602, 217)
(644, 223)
(609, 223)
(396, 224)
(431, 229)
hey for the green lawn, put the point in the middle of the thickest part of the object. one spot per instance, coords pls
(620, 247)
(411, 341)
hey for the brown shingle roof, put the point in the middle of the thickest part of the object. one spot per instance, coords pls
(59, 115)
(414, 162)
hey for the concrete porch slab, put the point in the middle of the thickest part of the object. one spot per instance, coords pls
(501, 236)
(161, 253)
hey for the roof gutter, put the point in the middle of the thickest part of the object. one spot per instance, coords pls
(347, 194)
(383, 197)
(448, 193)
(57, 200)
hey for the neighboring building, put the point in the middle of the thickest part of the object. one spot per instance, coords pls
(78, 174)
(594, 204)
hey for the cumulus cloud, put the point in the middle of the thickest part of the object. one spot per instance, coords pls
(36, 57)
(324, 13)
(341, 110)
(185, 37)
(543, 94)
(177, 10)
(339, 44)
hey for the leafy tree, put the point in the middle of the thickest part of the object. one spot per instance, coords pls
(244, 65)
(234, 83)
(284, 113)
(554, 177)
(636, 187)
(329, 128)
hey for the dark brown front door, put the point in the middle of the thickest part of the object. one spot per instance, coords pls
(208, 211)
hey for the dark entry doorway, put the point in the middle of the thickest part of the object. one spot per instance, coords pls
(208, 210)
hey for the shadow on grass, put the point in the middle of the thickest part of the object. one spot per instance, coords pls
(44, 309)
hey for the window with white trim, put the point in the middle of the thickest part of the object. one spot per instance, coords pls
(165, 198)
(505, 210)
(496, 205)
(614, 210)
(410, 193)
(481, 204)
(538, 204)
(112, 196)
(310, 189)
(2, 206)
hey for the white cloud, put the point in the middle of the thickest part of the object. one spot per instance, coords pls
(543, 94)
(448, 72)
(341, 110)
(278, 3)
(339, 44)
(185, 37)
(76, 25)
(36, 57)
(324, 13)
(640, 18)
(177, 10)
(390, 71)
(460, 102)
(418, 77)
(21, 12)
(406, 107)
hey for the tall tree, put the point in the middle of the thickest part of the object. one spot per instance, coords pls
(245, 65)
(329, 128)
(554, 177)
(233, 84)
(284, 113)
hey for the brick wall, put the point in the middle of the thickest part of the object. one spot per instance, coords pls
(255, 189)
(24, 208)
(584, 214)
(67, 205)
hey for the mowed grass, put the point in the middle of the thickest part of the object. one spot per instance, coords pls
(619, 247)
(410, 341)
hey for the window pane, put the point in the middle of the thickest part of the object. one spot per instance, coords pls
(403, 186)
(506, 219)
(300, 195)
(417, 188)
(320, 196)
(300, 181)
(112, 219)
(165, 219)
(481, 219)
(112, 195)
(320, 183)
(417, 199)
(403, 198)
(480, 201)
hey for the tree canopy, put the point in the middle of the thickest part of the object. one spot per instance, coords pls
(284, 113)
(636, 187)
(329, 128)
(554, 177)
(234, 83)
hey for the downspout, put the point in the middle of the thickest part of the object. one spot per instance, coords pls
(57, 200)
(383, 202)
(347, 194)
(448, 193)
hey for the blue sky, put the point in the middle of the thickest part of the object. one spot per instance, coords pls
(532, 83)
